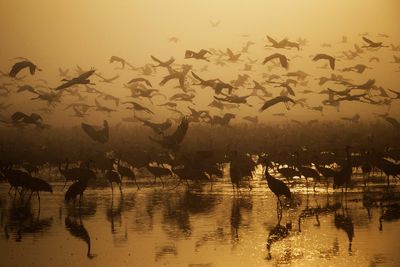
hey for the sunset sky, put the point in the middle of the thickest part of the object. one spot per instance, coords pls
(57, 34)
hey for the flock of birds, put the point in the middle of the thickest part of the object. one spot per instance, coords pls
(204, 165)
(226, 94)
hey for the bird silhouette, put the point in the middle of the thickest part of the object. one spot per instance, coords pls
(101, 135)
(173, 141)
(282, 59)
(277, 187)
(197, 55)
(17, 67)
(113, 176)
(326, 57)
(372, 44)
(81, 79)
(276, 100)
(138, 107)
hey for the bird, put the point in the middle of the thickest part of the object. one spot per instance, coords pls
(231, 56)
(113, 176)
(282, 59)
(138, 107)
(327, 57)
(79, 231)
(276, 100)
(158, 172)
(158, 128)
(172, 142)
(215, 24)
(197, 55)
(98, 135)
(140, 80)
(391, 213)
(372, 44)
(342, 178)
(17, 67)
(78, 187)
(277, 187)
(107, 80)
(35, 184)
(164, 64)
(81, 79)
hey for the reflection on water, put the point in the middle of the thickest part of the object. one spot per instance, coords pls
(200, 227)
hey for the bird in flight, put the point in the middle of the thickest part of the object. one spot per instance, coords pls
(197, 55)
(282, 59)
(326, 57)
(138, 107)
(17, 67)
(276, 100)
(81, 79)
(164, 64)
(372, 44)
(215, 24)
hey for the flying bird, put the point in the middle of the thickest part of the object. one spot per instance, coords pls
(282, 59)
(17, 67)
(326, 57)
(98, 135)
(372, 44)
(276, 100)
(173, 141)
(81, 79)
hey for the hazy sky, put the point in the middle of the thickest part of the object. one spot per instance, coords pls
(65, 33)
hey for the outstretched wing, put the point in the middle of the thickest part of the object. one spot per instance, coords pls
(89, 130)
(393, 122)
(180, 132)
(368, 41)
(18, 67)
(272, 40)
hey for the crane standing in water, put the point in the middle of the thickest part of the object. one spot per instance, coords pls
(277, 187)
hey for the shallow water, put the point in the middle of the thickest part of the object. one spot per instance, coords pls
(157, 226)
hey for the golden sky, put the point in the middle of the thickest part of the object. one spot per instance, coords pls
(65, 33)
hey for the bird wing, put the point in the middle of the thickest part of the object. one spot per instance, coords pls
(156, 59)
(272, 40)
(393, 122)
(290, 90)
(86, 75)
(269, 58)
(180, 132)
(230, 53)
(271, 102)
(17, 67)
(197, 77)
(368, 41)
(18, 116)
(89, 130)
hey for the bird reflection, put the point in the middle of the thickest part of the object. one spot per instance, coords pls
(391, 213)
(277, 233)
(77, 229)
(343, 221)
(22, 221)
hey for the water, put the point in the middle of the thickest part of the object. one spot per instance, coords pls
(157, 226)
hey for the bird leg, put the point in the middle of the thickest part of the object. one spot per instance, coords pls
(120, 187)
(137, 184)
(112, 189)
